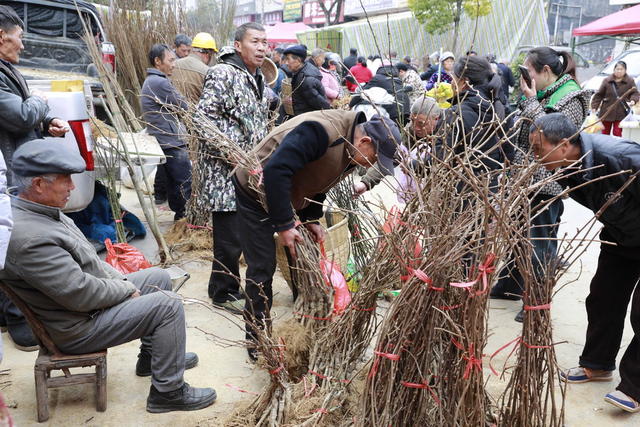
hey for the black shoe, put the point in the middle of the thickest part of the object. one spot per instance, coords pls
(520, 316)
(143, 366)
(3, 322)
(22, 337)
(253, 354)
(186, 398)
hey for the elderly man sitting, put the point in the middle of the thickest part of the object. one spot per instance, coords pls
(84, 304)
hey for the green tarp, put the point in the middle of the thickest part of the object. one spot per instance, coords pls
(512, 23)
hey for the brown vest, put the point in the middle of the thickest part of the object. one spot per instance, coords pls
(188, 77)
(320, 175)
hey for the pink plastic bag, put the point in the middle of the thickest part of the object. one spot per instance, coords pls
(124, 257)
(334, 278)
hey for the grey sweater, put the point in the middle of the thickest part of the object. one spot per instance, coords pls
(57, 272)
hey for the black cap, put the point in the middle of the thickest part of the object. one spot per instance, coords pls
(385, 135)
(40, 157)
(298, 50)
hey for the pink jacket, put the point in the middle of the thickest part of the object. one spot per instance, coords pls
(331, 85)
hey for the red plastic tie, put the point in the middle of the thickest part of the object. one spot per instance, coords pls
(276, 370)
(514, 342)
(537, 307)
(324, 377)
(422, 386)
(484, 270)
(257, 171)
(390, 356)
(449, 307)
(236, 388)
(472, 361)
(199, 227)
(376, 364)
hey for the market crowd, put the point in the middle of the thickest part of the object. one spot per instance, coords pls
(312, 118)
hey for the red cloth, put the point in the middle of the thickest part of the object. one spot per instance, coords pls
(362, 75)
(626, 21)
(617, 131)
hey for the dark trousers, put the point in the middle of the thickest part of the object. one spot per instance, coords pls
(11, 314)
(224, 284)
(544, 225)
(259, 250)
(178, 172)
(612, 287)
(160, 184)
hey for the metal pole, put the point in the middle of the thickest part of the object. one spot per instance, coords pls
(555, 27)
(580, 18)
(262, 12)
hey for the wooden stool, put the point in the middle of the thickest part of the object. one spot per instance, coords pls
(51, 359)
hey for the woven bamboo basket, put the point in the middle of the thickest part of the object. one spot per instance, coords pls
(286, 93)
(337, 244)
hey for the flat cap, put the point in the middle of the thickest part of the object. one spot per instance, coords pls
(299, 50)
(40, 157)
(386, 137)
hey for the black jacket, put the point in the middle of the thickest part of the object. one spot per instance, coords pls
(609, 155)
(430, 72)
(470, 121)
(387, 78)
(350, 61)
(307, 90)
(507, 79)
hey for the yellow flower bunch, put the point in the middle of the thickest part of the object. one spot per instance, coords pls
(442, 92)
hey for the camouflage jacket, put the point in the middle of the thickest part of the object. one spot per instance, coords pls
(236, 102)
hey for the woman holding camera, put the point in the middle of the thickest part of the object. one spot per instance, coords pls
(548, 85)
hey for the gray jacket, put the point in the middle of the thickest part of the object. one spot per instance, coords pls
(57, 272)
(158, 96)
(22, 117)
(6, 221)
(603, 155)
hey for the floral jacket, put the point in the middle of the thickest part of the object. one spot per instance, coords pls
(236, 102)
(564, 96)
(411, 78)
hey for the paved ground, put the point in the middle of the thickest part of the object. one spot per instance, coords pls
(226, 368)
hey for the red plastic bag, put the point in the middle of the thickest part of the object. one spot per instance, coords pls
(334, 278)
(124, 257)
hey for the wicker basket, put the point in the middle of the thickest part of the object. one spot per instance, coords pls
(337, 244)
(286, 93)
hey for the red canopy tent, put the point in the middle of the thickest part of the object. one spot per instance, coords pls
(626, 21)
(284, 32)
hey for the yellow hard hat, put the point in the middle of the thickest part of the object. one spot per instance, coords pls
(204, 41)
